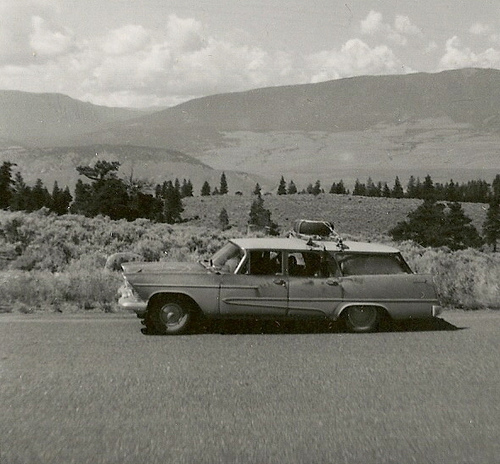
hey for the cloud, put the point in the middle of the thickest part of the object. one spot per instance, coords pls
(459, 56)
(354, 58)
(403, 25)
(16, 32)
(47, 41)
(480, 29)
(125, 40)
(135, 66)
(374, 25)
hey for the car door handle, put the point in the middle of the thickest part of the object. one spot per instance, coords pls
(280, 282)
(333, 283)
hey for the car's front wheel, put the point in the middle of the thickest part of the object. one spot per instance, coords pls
(362, 319)
(169, 316)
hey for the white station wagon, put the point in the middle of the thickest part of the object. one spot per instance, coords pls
(297, 277)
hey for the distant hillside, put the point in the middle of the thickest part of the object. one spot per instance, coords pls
(446, 124)
(151, 164)
(31, 119)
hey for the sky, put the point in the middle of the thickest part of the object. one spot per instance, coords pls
(143, 53)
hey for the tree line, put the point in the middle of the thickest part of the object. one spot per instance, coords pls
(439, 221)
(474, 191)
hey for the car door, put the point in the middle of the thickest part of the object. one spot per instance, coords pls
(314, 285)
(259, 289)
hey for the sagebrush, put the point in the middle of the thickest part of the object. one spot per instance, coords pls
(57, 263)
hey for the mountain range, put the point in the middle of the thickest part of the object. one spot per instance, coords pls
(445, 124)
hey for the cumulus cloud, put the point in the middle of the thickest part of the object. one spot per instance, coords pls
(125, 40)
(48, 41)
(397, 33)
(132, 65)
(354, 58)
(459, 56)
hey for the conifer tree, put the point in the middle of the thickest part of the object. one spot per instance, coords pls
(359, 188)
(186, 189)
(292, 188)
(432, 225)
(223, 219)
(6, 183)
(491, 226)
(205, 189)
(282, 187)
(223, 184)
(397, 190)
(172, 204)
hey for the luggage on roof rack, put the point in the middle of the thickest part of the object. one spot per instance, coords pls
(319, 229)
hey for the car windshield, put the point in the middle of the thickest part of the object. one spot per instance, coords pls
(372, 264)
(227, 258)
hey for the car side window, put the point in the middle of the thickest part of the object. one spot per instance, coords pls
(310, 264)
(265, 262)
(366, 264)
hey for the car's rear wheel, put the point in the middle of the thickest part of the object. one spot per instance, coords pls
(362, 319)
(169, 316)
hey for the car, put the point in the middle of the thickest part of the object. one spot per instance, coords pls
(300, 276)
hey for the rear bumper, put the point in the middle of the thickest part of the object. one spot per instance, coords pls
(132, 304)
(436, 310)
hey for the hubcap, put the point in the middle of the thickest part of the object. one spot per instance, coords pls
(362, 317)
(172, 315)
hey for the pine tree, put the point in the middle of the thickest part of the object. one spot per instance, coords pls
(205, 189)
(223, 219)
(257, 190)
(83, 200)
(386, 191)
(491, 226)
(261, 217)
(316, 190)
(397, 190)
(223, 184)
(20, 197)
(40, 196)
(172, 204)
(6, 183)
(428, 189)
(186, 189)
(292, 188)
(432, 225)
(458, 231)
(60, 200)
(282, 187)
(359, 188)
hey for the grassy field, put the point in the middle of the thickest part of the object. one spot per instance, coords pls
(352, 215)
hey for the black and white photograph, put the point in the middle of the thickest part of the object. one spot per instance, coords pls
(249, 232)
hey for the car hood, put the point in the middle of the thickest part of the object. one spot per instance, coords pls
(163, 267)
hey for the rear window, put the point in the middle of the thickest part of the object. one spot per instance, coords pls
(371, 264)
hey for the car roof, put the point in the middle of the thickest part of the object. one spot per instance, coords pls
(300, 244)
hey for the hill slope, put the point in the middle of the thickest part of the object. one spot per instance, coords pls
(445, 124)
(31, 119)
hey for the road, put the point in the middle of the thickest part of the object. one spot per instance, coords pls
(94, 389)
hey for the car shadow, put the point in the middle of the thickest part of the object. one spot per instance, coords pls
(230, 327)
(243, 327)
